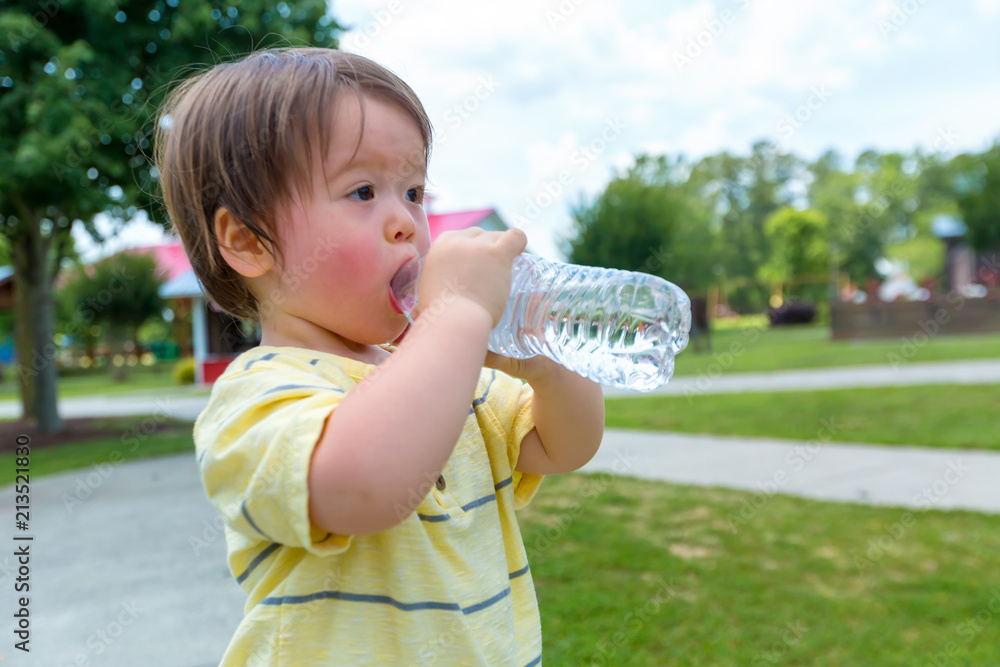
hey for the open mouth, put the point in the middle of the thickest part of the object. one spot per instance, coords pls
(403, 285)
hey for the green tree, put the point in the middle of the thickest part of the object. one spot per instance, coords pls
(119, 293)
(644, 221)
(741, 192)
(79, 86)
(868, 209)
(976, 185)
(799, 250)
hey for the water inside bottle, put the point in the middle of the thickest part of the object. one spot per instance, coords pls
(622, 334)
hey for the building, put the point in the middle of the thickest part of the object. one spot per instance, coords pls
(960, 258)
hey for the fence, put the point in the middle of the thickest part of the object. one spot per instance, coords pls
(949, 314)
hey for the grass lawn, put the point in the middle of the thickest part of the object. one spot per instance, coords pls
(962, 416)
(753, 348)
(158, 376)
(133, 443)
(743, 346)
(633, 572)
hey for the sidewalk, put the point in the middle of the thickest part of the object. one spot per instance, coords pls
(983, 371)
(130, 568)
(125, 570)
(915, 477)
(986, 371)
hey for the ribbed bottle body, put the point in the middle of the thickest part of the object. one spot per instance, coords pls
(619, 328)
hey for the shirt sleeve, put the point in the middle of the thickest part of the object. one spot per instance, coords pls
(254, 442)
(509, 400)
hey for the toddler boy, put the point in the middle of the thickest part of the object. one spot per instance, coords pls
(368, 489)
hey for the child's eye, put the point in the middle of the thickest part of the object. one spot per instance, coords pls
(364, 193)
(415, 195)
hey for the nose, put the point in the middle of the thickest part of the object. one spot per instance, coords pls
(400, 225)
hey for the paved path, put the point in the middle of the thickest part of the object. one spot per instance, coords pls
(115, 579)
(984, 371)
(129, 567)
(179, 407)
(987, 371)
(881, 475)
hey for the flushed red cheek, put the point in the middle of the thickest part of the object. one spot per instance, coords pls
(354, 269)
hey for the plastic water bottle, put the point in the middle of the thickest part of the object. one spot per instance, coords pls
(619, 328)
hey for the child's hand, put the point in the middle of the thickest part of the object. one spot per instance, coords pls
(532, 369)
(472, 265)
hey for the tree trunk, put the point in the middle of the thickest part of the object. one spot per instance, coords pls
(138, 350)
(119, 373)
(22, 344)
(182, 326)
(34, 277)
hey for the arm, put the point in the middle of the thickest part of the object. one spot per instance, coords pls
(385, 444)
(568, 411)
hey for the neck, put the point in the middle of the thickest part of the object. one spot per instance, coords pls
(290, 331)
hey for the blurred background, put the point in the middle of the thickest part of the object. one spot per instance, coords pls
(822, 179)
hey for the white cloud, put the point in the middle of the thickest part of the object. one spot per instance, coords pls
(562, 76)
(988, 8)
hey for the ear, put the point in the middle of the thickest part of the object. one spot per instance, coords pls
(239, 247)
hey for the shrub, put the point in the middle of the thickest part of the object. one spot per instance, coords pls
(184, 371)
(793, 313)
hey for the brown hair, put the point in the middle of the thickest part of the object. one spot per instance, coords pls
(234, 135)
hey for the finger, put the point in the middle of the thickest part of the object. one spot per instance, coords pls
(499, 362)
(514, 240)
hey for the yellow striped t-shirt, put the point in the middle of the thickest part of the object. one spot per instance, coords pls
(450, 585)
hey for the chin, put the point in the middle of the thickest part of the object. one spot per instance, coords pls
(402, 334)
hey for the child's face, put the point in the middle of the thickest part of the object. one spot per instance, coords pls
(342, 248)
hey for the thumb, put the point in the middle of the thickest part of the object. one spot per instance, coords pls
(501, 363)
(514, 240)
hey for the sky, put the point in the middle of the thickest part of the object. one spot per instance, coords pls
(537, 105)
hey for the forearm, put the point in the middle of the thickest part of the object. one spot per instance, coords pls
(388, 440)
(568, 411)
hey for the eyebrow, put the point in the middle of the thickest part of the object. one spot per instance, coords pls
(417, 171)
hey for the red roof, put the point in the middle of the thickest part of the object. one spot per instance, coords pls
(446, 222)
(170, 258)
